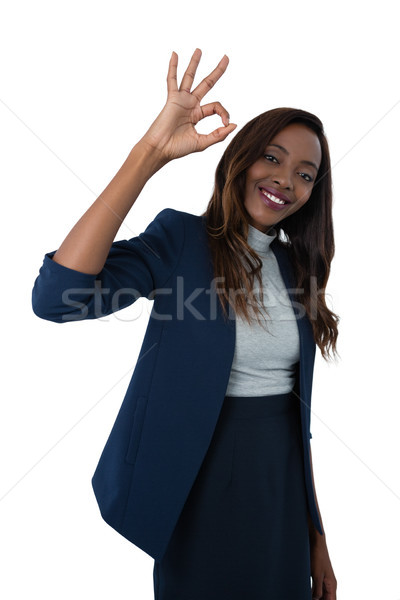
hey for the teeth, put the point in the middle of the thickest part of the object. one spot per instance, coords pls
(273, 198)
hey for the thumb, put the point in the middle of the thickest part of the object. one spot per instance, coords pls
(218, 135)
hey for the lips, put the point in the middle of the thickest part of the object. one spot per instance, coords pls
(275, 193)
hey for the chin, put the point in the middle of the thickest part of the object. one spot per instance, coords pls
(262, 226)
(258, 221)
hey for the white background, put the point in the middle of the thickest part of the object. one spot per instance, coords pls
(80, 84)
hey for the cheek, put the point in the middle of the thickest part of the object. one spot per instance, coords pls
(255, 172)
(304, 195)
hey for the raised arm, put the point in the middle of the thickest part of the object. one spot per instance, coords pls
(87, 245)
(172, 135)
(89, 272)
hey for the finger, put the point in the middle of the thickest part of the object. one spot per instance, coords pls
(216, 108)
(218, 135)
(172, 83)
(188, 77)
(329, 589)
(317, 590)
(209, 81)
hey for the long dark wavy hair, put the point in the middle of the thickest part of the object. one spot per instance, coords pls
(307, 234)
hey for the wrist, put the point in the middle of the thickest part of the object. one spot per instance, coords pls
(148, 158)
(153, 154)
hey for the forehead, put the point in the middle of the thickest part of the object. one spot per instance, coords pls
(300, 141)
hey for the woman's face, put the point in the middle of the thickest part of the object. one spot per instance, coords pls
(287, 170)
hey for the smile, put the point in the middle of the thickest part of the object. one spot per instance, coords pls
(272, 201)
(273, 198)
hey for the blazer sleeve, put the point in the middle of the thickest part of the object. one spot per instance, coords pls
(134, 268)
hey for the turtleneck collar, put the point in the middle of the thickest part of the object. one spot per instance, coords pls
(259, 241)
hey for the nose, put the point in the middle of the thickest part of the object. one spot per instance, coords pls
(284, 180)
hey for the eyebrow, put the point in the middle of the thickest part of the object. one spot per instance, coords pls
(304, 162)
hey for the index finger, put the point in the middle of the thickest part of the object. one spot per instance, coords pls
(172, 83)
(209, 81)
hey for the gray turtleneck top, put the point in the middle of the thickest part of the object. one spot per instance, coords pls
(265, 355)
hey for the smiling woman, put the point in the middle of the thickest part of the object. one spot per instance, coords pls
(208, 465)
(280, 155)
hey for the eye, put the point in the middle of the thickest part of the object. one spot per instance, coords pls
(304, 176)
(268, 156)
(310, 179)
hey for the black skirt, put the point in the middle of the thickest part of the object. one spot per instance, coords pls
(243, 531)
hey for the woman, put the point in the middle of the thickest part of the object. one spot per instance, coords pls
(208, 466)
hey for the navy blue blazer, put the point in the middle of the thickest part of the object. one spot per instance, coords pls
(165, 424)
